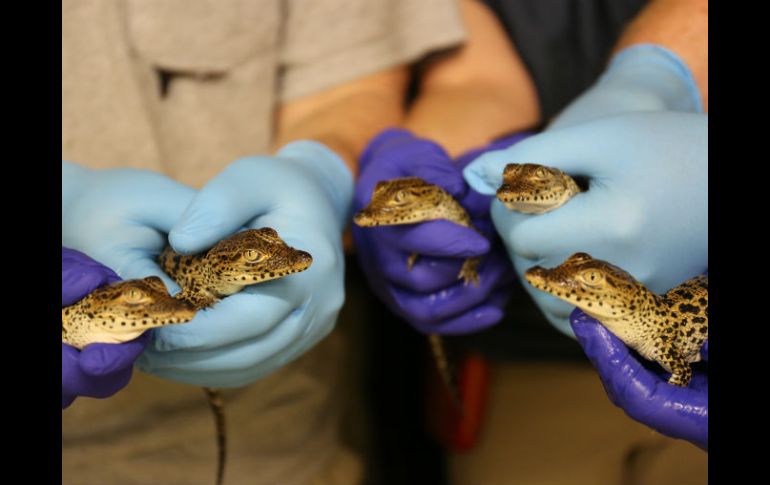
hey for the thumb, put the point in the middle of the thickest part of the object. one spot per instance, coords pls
(221, 207)
(577, 150)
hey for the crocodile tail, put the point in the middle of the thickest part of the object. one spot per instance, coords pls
(217, 404)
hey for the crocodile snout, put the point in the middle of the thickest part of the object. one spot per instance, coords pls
(364, 218)
(536, 276)
(304, 259)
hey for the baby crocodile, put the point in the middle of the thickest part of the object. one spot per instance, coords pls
(122, 311)
(535, 189)
(410, 200)
(668, 329)
(243, 259)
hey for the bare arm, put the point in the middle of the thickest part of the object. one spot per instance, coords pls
(468, 97)
(345, 117)
(679, 25)
(476, 93)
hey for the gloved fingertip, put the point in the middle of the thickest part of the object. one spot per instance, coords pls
(185, 241)
(439, 171)
(197, 230)
(104, 359)
(476, 245)
(77, 284)
(476, 175)
(582, 324)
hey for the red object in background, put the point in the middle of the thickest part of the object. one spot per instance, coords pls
(458, 429)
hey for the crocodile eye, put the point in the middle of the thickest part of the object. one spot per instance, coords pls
(401, 197)
(592, 277)
(541, 173)
(134, 296)
(253, 256)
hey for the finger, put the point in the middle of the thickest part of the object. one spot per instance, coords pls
(573, 227)
(390, 264)
(574, 150)
(225, 204)
(441, 171)
(404, 155)
(77, 284)
(435, 238)
(137, 266)
(428, 274)
(608, 355)
(104, 359)
(75, 263)
(626, 381)
(161, 202)
(234, 319)
(474, 320)
(644, 396)
(449, 302)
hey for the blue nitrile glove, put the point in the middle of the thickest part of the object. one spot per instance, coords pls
(430, 297)
(99, 370)
(120, 217)
(646, 161)
(645, 395)
(304, 193)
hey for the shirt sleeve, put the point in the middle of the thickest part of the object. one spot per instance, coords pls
(328, 42)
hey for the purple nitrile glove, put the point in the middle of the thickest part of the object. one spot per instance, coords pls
(430, 296)
(99, 370)
(646, 396)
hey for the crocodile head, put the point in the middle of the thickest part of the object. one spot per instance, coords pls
(534, 189)
(597, 287)
(409, 200)
(122, 311)
(252, 256)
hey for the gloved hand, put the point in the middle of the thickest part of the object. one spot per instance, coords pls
(677, 412)
(646, 209)
(121, 217)
(304, 193)
(99, 370)
(430, 296)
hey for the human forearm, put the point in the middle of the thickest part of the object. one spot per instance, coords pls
(481, 91)
(346, 117)
(679, 25)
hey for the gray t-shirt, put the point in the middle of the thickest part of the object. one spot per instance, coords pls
(186, 86)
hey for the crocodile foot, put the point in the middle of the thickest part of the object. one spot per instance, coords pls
(469, 272)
